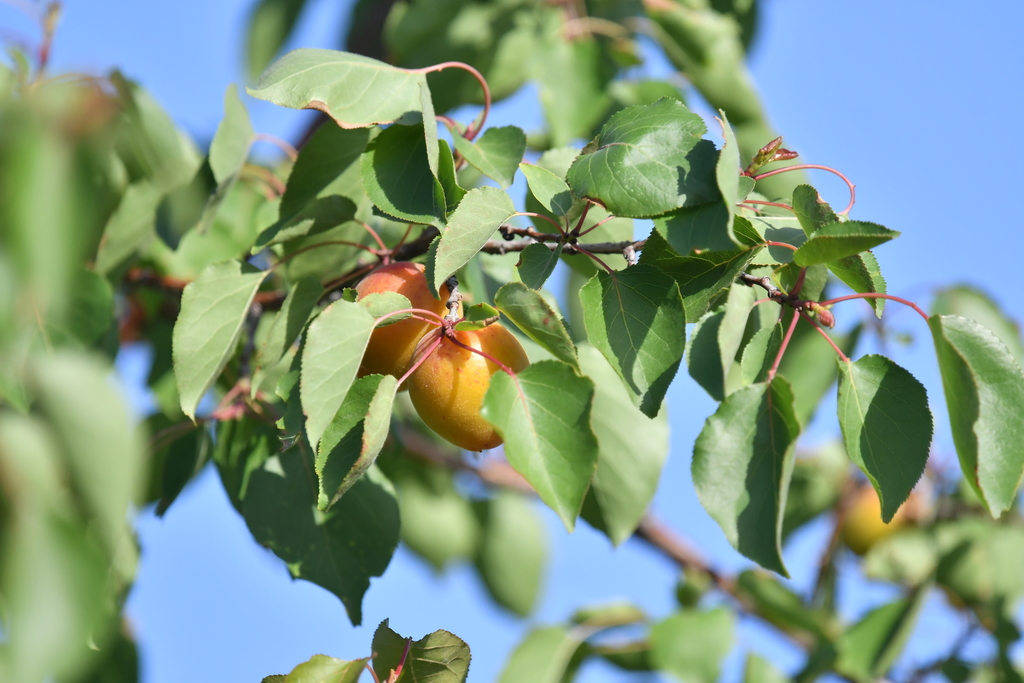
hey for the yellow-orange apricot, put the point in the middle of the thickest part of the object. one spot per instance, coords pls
(391, 346)
(862, 524)
(448, 388)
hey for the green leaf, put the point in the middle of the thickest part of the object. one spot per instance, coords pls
(812, 212)
(715, 341)
(632, 450)
(572, 82)
(496, 153)
(397, 176)
(479, 215)
(354, 90)
(887, 426)
(89, 311)
(703, 227)
(438, 657)
(230, 146)
(324, 669)
(270, 24)
(870, 647)
(447, 176)
(163, 153)
(317, 217)
(635, 317)
(438, 523)
(554, 450)
(545, 655)
(784, 229)
(759, 354)
(969, 302)
(760, 670)
(835, 241)
(512, 551)
(536, 263)
(289, 322)
(809, 365)
(785, 609)
(381, 304)
(354, 437)
(861, 274)
(214, 308)
(326, 166)
(548, 189)
(742, 462)
(690, 645)
(701, 277)
(340, 549)
(102, 446)
(333, 349)
(648, 160)
(130, 228)
(727, 174)
(980, 561)
(532, 314)
(984, 389)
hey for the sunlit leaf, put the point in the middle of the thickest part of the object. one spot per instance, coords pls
(230, 146)
(438, 657)
(512, 553)
(545, 655)
(480, 214)
(647, 161)
(534, 316)
(332, 351)
(214, 308)
(496, 153)
(835, 241)
(870, 647)
(690, 645)
(354, 437)
(555, 450)
(984, 389)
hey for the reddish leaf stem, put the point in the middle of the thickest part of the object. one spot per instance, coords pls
(758, 201)
(416, 313)
(782, 348)
(800, 167)
(770, 243)
(874, 295)
(283, 145)
(824, 334)
(531, 214)
(583, 217)
(419, 361)
(376, 237)
(604, 265)
(401, 662)
(509, 371)
(473, 130)
(327, 243)
(597, 225)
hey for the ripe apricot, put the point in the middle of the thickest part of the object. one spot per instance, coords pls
(390, 348)
(863, 526)
(448, 388)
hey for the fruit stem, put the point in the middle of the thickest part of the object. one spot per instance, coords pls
(419, 361)
(800, 167)
(451, 337)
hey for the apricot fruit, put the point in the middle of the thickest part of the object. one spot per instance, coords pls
(448, 388)
(862, 524)
(391, 346)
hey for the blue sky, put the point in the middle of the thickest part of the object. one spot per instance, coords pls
(919, 107)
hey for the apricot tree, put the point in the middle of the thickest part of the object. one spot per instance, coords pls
(276, 360)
